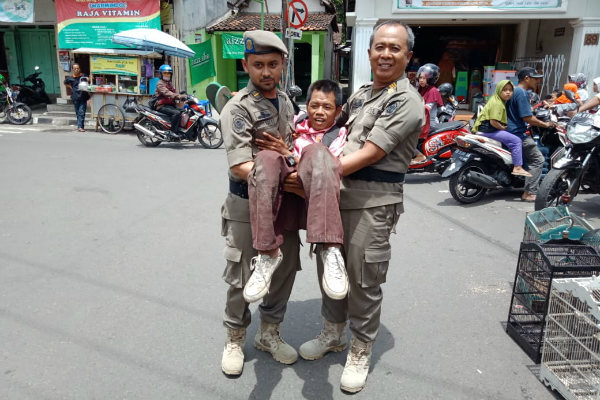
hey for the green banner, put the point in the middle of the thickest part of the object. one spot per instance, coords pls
(233, 44)
(202, 66)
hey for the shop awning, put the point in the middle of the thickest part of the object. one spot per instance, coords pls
(118, 52)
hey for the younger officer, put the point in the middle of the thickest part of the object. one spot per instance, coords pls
(253, 110)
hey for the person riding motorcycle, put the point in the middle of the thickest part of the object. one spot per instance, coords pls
(580, 80)
(167, 98)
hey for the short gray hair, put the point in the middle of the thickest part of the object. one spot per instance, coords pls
(410, 36)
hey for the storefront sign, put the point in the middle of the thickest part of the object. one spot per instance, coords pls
(16, 11)
(202, 66)
(503, 4)
(114, 65)
(233, 44)
(92, 23)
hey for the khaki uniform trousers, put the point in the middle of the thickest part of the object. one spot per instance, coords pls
(367, 249)
(238, 253)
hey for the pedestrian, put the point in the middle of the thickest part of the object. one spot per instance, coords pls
(519, 114)
(257, 108)
(492, 121)
(318, 144)
(79, 97)
(384, 120)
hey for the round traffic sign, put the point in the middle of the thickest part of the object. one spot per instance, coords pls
(297, 13)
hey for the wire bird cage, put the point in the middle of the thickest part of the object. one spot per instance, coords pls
(538, 265)
(571, 353)
(550, 223)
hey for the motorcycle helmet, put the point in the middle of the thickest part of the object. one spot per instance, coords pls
(431, 73)
(164, 68)
(445, 89)
(579, 79)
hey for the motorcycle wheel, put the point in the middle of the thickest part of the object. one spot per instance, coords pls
(146, 140)
(18, 114)
(111, 118)
(210, 136)
(554, 185)
(465, 192)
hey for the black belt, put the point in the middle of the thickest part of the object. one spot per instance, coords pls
(239, 188)
(377, 175)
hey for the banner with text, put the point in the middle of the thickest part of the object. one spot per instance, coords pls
(502, 4)
(92, 23)
(114, 65)
(16, 11)
(233, 44)
(202, 66)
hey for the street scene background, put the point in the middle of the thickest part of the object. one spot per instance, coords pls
(111, 263)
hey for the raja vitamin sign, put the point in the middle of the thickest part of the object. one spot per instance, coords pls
(92, 23)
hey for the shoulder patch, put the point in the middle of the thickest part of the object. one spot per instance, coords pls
(391, 107)
(239, 123)
(357, 103)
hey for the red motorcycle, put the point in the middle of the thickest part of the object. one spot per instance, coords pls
(437, 145)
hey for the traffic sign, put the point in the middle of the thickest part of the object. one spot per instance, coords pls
(293, 33)
(297, 13)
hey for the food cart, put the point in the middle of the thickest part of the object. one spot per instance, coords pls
(115, 76)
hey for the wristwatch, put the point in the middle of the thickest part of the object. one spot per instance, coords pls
(290, 161)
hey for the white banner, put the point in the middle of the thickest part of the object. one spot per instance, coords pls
(502, 4)
(16, 11)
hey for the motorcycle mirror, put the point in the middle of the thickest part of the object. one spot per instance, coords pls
(570, 95)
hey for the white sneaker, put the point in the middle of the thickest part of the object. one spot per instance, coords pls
(335, 279)
(357, 365)
(263, 268)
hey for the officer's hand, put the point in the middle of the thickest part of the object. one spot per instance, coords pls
(270, 142)
(292, 185)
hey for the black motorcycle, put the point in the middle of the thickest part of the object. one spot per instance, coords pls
(153, 127)
(35, 92)
(11, 110)
(576, 167)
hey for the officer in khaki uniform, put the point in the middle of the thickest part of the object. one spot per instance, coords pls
(384, 119)
(255, 109)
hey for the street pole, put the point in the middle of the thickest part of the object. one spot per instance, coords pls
(262, 13)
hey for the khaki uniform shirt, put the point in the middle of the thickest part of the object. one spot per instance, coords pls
(392, 119)
(246, 116)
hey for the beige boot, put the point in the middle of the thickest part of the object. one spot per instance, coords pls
(267, 339)
(331, 338)
(357, 366)
(232, 362)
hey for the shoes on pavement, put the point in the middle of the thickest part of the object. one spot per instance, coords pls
(232, 362)
(335, 278)
(357, 365)
(80, 130)
(263, 268)
(268, 339)
(331, 338)
(528, 197)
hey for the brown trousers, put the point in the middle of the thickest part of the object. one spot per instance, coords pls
(271, 213)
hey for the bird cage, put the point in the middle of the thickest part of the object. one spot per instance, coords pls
(538, 265)
(551, 222)
(571, 352)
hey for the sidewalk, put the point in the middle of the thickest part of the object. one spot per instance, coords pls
(59, 115)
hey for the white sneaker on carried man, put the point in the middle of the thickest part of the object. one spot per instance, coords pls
(262, 267)
(335, 278)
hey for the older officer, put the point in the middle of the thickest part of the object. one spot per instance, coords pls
(384, 119)
(255, 109)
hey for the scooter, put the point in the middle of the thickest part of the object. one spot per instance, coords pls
(34, 93)
(437, 146)
(153, 127)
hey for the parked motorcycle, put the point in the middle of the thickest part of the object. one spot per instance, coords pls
(153, 126)
(11, 110)
(578, 166)
(438, 147)
(34, 93)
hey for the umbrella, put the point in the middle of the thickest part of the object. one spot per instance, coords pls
(153, 40)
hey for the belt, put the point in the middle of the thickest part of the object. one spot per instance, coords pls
(377, 175)
(239, 189)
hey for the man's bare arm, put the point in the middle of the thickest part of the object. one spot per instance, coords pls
(242, 170)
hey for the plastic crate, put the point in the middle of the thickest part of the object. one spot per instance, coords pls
(550, 223)
(538, 265)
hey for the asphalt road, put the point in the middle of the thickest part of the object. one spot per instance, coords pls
(110, 277)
